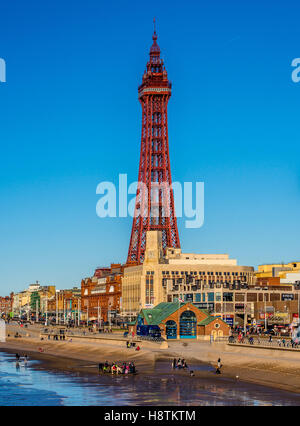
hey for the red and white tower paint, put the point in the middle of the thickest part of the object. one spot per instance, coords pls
(154, 206)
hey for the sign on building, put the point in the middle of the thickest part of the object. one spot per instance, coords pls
(228, 319)
(287, 296)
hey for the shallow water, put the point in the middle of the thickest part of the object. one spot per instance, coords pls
(28, 385)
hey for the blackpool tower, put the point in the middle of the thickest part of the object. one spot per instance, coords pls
(154, 204)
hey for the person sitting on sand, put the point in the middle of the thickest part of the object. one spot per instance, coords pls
(138, 348)
(106, 367)
(113, 368)
(183, 363)
(192, 374)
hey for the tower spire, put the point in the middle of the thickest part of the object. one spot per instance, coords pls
(155, 50)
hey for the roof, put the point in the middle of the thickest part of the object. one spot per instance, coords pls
(206, 321)
(210, 319)
(157, 314)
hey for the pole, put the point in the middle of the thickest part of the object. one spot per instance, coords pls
(245, 313)
(64, 303)
(36, 310)
(56, 307)
(87, 317)
(79, 312)
(46, 307)
(265, 314)
(109, 318)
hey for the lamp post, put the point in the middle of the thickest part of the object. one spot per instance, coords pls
(79, 310)
(109, 315)
(46, 322)
(56, 307)
(36, 310)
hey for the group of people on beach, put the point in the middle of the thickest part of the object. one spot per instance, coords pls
(180, 363)
(57, 337)
(19, 358)
(114, 368)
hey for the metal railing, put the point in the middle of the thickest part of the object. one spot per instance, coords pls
(265, 342)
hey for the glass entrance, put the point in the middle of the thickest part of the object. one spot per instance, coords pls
(171, 330)
(188, 325)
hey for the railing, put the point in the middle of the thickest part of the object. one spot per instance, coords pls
(151, 339)
(265, 342)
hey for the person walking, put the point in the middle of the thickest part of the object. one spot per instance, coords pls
(219, 365)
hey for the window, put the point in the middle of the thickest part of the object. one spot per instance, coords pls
(149, 291)
(218, 297)
(252, 297)
(210, 297)
(198, 297)
(227, 297)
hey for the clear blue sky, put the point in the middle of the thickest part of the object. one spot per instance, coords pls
(70, 118)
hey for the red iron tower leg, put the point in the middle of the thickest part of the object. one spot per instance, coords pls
(154, 206)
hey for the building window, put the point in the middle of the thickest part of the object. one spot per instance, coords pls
(227, 297)
(210, 297)
(198, 297)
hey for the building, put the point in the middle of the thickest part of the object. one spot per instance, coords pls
(102, 294)
(6, 305)
(181, 321)
(209, 281)
(154, 208)
(271, 304)
(279, 270)
(66, 304)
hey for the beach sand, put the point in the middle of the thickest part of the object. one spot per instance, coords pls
(272, 368)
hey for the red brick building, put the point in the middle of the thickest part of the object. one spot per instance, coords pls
(181, 321)
(101, 295)
(6, 304)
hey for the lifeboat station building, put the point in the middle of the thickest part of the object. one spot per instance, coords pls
(181, 321)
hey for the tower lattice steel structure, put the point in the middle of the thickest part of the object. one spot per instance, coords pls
(154, 205)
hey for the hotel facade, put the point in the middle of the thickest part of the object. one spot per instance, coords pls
(206, 280)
